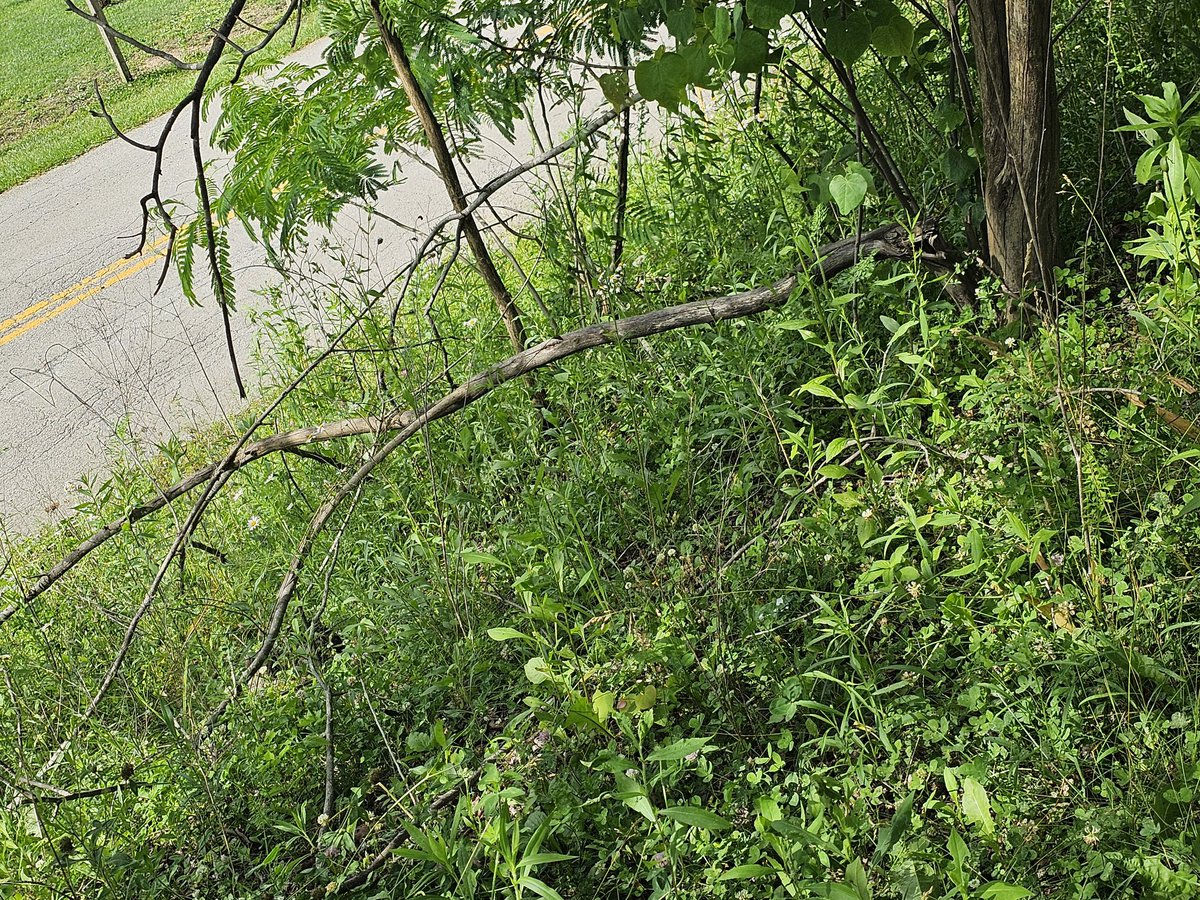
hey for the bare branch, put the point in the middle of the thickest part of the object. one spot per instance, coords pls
(104, 114)
(890, 241)
(245, 451)
(134, 42)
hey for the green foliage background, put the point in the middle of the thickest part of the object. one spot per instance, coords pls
(866, 598)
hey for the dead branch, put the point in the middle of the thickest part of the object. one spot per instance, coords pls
(245, 451)
(887, 242)
(101, 22)
(447, 169)
(890, 241)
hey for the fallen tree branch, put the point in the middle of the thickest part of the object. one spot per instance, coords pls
(245, 451)
(887, 242)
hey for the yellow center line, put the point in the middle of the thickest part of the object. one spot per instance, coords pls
(131, 267)
(39, 313)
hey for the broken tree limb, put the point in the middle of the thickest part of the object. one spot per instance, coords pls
(888, 242)
(245, 451)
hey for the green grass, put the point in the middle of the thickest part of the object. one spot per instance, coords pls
(50, 59)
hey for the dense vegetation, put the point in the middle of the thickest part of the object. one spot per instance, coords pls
(881, 594)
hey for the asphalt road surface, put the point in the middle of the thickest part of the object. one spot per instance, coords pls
(94, 364)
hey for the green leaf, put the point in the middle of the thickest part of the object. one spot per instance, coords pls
(640, 803)
(478, 556)
(895, 38)
(681, 23)
(540, 888)
(1000, 890)
(615, 86)
(977, 809)
(602, 704)
(699, 61)
(1192, 504)
(507, 634)
(646, 698)
(536, 670)
(1147, 163)
(848, 39)
(750, 54)
(833, 471)
(630, 26)
(891, 833)
(817, 388)
(679, 749)
(662, 78)
(541, 859)
(722, 25)
(696, 817)
(848, 191)
(767, 13)
(836, 891)
(856, 877)
(746, 870)
(958, 849)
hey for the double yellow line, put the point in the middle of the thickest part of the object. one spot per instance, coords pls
(114, 273)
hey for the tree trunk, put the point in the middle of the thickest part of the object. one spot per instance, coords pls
(449, 173)
(1019, 109)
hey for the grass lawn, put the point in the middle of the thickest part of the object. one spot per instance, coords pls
(50, 59)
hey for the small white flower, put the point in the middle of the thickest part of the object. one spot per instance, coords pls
(1010, 342)
(322, 820)
(470, 323)
(868, 512)
(253, 522)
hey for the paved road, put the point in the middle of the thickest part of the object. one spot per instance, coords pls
(92, 363)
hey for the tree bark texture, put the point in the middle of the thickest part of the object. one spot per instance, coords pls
(1019, 109)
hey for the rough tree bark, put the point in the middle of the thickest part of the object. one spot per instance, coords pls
(449, 174)
(1019, 109)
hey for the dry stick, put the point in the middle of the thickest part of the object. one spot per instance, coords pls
(182, 536)
(449, 174)
(101, 22)
(328, 803)
(364, 875)
(889, 242)
(618, 249)
(244, 452)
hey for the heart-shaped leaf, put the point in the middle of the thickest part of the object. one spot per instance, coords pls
(848, 191)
